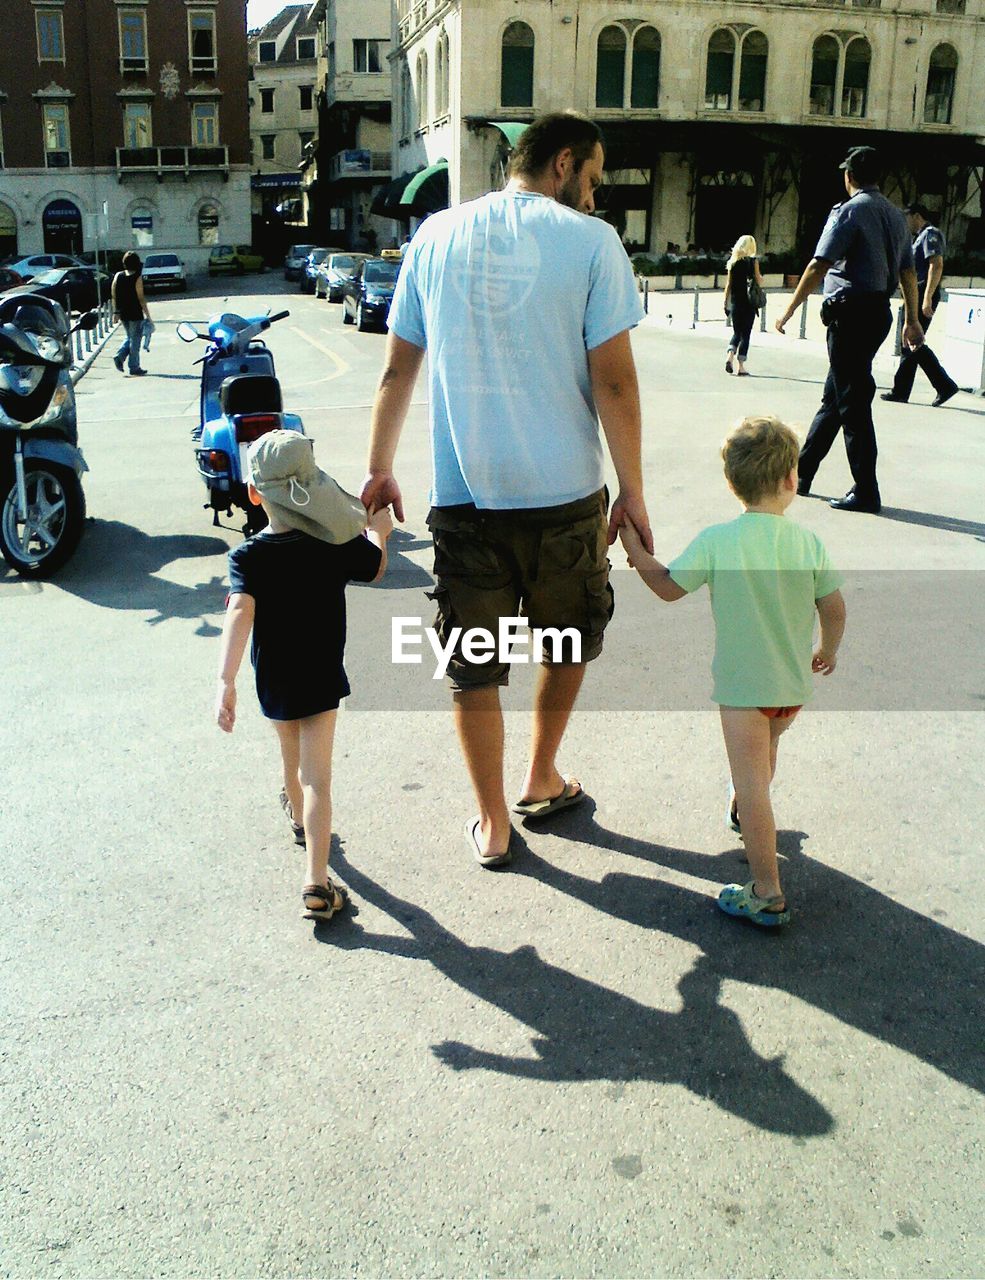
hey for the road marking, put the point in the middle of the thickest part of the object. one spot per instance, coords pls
(341, 366)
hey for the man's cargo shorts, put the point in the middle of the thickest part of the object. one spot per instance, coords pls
(547, 564)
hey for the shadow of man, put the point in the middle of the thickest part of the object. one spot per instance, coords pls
(873, 963)
(116, 567)
(588, 1032)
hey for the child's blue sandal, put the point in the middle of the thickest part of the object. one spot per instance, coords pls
(742, 900)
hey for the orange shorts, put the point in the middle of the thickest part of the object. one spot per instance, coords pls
(779, 713)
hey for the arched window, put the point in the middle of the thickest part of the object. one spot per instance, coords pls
(940, 85)
(645, 91)
(610, 68)
(208, 224)
(422, 89)
(516, 84)
(824, 75)
(441, 76)
(855, 85)
(753, 56)
(718, 70)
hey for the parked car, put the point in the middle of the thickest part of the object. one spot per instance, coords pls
(334, 271)
(79, 287)
(164, 271)
(310, 268)
(367, 295)
(294, 262)
(9, 279)
(234, 257)
(35, 264)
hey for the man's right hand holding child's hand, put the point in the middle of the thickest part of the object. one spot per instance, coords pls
(381, 522)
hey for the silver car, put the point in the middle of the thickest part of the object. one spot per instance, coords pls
(294, 262)
(333, 273)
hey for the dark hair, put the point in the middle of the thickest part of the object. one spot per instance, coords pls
(864, 165)
(132, 263)
(541, 141)
(919, 209)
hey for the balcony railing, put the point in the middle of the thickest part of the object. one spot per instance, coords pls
(181, 161)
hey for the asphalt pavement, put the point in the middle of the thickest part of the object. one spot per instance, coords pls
(577, 1067)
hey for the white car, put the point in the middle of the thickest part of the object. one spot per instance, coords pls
(164, 271)
(38, 263)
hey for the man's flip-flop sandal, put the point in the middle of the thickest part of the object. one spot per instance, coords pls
(296, 827)
(331, 899)
(484, 859)
(571, 794)
(743, 901)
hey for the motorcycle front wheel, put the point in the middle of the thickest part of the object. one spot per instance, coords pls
(56, 509)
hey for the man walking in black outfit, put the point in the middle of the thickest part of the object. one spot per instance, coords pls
(863, 251)
(928, 260)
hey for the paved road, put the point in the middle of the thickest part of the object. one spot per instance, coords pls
(575, 1068)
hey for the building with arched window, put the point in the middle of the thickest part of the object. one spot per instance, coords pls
(719, 118)
(117, 122)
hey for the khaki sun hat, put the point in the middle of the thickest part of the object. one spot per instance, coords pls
(284, 472)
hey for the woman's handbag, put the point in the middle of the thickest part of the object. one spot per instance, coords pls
(757, 296)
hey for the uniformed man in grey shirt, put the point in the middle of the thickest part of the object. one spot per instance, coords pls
(864, 250)
(928, 260)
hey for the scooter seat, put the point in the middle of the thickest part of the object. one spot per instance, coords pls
(250, 393)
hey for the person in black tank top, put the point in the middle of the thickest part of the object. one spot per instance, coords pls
(130, 308)
(743, 273)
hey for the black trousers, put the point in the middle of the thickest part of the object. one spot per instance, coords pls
(922, 358)
(854, 337)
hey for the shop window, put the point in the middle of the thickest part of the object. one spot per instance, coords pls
(208, 225)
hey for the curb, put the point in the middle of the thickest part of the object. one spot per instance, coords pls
(80, 370)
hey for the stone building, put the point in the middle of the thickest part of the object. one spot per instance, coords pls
(720, 118)
(123, 124)
(284, 63)
(351, 163)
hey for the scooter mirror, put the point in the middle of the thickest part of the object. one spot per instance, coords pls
(186, 332)
(88, 321)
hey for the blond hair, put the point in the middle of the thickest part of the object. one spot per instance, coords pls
(759, 453)
(744, 247)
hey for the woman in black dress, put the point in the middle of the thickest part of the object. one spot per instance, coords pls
(743, 272)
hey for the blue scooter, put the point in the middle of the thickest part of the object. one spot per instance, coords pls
(240, 401)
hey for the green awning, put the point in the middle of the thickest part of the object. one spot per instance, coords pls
(510, 129)
(433, 175)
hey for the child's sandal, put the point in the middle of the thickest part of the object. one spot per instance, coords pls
(743, 901)
(331, 898)
(296, 827)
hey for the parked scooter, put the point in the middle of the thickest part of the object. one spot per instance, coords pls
(42, 506)
(240, 401)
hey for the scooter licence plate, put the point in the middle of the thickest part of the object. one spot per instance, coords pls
(244, 469)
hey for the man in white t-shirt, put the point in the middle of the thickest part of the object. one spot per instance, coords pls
(524, 305)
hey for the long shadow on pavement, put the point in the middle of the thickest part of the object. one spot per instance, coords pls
(873, 963)
(116, 565)
(587, 1031)
(925, 519)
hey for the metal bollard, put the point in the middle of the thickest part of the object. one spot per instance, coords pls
(762, 318)
(646, 297)
(697, 303)
(803, 318)
(898, 344)
(88, 334)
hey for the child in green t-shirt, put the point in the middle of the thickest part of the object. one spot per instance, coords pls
(767, 576)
